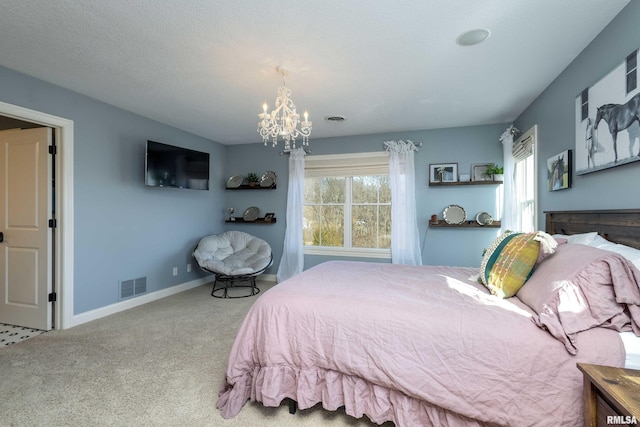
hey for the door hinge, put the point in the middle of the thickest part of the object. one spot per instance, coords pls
(53, 223)
(52, 297)
(53, 150)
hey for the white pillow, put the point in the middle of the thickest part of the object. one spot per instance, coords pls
(628, 252)
(600, 242)
(593, 239)
(581, 239)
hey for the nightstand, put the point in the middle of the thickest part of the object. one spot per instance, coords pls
(611, 395)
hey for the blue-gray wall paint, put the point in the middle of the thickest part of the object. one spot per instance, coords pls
(554, 112)
(123, 230)
(246, 158)
(442, 246)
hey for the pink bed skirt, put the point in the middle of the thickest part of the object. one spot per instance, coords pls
(271, 385)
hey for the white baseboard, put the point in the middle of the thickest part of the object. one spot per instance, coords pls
(88, 316)
(267, 277)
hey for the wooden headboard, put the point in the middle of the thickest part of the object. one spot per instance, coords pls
(619, 226)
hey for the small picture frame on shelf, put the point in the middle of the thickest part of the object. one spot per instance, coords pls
(268, 217)
(443, 172)
(479, 172)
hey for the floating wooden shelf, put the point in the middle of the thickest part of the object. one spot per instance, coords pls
(248, 187)
(241, 220)
(447, 184)
(466, 224)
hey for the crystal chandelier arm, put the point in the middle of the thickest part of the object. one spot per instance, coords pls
(283, 121)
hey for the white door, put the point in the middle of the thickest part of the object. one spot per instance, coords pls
(25, 207)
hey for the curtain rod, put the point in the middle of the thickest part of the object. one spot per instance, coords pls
(417, 144)
(306, 150)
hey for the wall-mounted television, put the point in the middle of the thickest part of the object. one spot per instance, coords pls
(171, 166)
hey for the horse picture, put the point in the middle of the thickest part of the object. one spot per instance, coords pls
(618, 117)
(607, 125)
(559, 171)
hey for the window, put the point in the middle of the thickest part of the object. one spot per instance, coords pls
(584, 98)
(347, 206)
(524, 153)
(632, 71)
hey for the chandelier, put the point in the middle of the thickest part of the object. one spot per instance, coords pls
(283, 120)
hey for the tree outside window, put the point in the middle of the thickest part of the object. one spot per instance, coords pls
(348, 212)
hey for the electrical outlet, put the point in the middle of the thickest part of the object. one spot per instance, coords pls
(188, 268)
(175, 271)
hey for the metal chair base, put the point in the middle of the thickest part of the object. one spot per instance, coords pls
(229, 282)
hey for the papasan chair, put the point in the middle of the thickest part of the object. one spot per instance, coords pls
(236, 259)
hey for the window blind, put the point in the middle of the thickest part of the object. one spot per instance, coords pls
(354, 164)
(523, 148)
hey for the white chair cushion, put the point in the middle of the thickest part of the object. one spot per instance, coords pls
(233, 253)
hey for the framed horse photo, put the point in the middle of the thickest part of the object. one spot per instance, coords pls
(608, 120)
(443, 172)
(559, 171)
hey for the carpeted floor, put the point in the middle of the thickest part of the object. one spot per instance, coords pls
(160, 364)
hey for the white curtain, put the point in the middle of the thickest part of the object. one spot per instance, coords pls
(509, 218)
(405, 240)
(292, 261)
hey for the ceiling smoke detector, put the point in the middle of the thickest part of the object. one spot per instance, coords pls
(335, 119)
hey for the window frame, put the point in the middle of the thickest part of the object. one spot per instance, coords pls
(631, 73)
(525, 147)
(347, 166)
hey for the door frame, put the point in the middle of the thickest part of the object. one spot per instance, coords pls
(63, 259)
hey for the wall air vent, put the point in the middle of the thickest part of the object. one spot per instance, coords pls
(140, 286)
(335, 119)
(132, 287)
(126, 289)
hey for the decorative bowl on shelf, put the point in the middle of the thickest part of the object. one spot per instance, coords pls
(251, 214)
(268, 179)
(454, 214)
(235, 181)
(484, 218)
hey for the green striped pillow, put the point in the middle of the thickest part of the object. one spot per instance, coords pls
(508, 263)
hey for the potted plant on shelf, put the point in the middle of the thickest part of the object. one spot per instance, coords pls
(495, 172)
(252, 179)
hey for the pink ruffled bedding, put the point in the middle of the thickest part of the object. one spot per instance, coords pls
(418, 346)
(581, 287)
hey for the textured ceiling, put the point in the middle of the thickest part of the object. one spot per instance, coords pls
(208, 66)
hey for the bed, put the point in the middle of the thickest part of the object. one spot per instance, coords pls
(430, 345)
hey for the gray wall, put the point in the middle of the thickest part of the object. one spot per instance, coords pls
(467, 145)
(241, 160)
(553, 111)
(123, 229)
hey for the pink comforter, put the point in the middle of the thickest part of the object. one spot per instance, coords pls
(413, 345)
